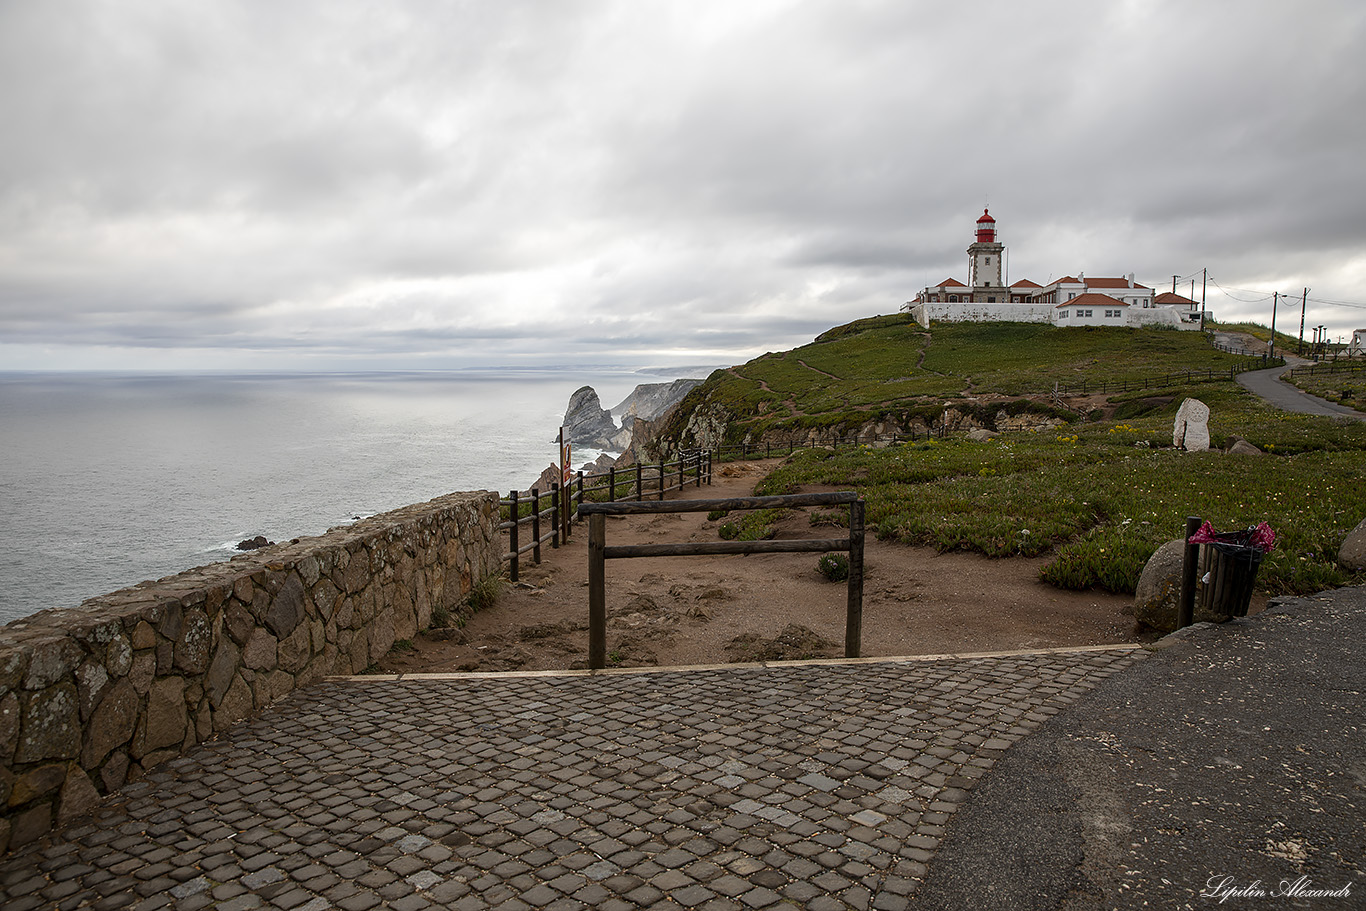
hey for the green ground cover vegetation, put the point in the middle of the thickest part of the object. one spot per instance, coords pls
(1102, 496)
(1344, 386)
(889, 367)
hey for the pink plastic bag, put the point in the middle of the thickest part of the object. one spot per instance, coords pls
(1261, 537)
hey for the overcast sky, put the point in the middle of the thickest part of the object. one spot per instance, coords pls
(336, 184)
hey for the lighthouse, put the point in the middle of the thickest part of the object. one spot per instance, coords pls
(984, 263)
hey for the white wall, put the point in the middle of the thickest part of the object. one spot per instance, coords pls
(982, 313)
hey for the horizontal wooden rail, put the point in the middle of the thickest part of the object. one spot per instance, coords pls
(627, 507)
(717, 548)
(599, 552)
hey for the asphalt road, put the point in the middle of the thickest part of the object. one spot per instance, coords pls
(1269, 385)
(1232, 759)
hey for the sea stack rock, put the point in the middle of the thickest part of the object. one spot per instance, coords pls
(587, 423)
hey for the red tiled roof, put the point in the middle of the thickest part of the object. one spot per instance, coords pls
(1026, 283)
(1065, 280)
(1167, 297)
(949, 283)
(1090, 299)
(1113, 283)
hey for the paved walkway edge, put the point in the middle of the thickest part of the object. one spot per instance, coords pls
(755, 665)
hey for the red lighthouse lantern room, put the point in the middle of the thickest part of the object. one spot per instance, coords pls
(986, 228)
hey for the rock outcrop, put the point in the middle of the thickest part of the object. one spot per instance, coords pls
(649, 401)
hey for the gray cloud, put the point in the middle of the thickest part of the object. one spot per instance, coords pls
(463, 184)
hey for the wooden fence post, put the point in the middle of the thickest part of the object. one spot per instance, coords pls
(661, 477)
(1185, 608)
(554, 514)
(536, 525)
(640, 491)
(514, 512)
(597, 592)
(853, 622)
(611, 484)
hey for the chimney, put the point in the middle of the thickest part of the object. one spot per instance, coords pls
(1130, 277)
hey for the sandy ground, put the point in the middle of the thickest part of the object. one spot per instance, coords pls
(673, 611)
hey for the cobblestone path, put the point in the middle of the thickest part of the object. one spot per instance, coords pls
(823, 785)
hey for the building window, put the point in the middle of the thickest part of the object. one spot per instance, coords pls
(1071, 294)
(1063, 314)
(953, 298)
(1083, 313)
(987, 261)
(992, 299)
(1111, 314)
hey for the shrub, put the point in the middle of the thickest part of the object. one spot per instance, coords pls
(729, 531)
(717, 514)
(484, 594)
(834, 567)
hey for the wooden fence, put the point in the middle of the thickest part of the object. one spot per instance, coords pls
(1186, 377)
(599, 552)
(613, 485)
(1333, 366)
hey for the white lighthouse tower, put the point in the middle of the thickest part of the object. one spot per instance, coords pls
(984, 263)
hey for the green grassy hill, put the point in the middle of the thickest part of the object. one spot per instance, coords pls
(1099, 494)
(888, 368)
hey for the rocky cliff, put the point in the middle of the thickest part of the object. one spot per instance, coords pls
(650, 400)
(588, 424)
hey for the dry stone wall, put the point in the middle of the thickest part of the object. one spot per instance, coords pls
(92, 697)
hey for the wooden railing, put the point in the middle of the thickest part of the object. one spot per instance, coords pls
(534, 513)
(768, 449)
(613, 485)
(599, 552)
(1334, 366)
(1186, 377)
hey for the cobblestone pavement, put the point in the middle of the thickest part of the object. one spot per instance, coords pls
(821, 785)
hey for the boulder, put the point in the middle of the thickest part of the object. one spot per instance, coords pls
(255, 543)
(1159, 590)
(1190, 431)
(1352, 554)
(1159, 587)
(981, 436)
(1243, 447)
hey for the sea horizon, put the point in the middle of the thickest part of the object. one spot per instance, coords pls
(113, 477)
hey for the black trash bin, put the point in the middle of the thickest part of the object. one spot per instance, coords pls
(1229, 568)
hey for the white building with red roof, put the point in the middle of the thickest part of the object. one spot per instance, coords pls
(1068, 301)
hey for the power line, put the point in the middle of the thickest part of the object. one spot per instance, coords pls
(1249, 300)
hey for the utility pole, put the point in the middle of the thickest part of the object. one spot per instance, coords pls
(1174, 278)
(1303, 300)
(1275, 299)
(1204, 276)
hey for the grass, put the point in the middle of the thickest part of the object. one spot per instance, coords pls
(1100, 498)
(1346, 387)
(890, 369)
(756, 525)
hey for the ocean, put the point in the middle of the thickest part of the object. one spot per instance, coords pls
(110, 479)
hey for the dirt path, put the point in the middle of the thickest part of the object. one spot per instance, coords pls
(710, 610)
